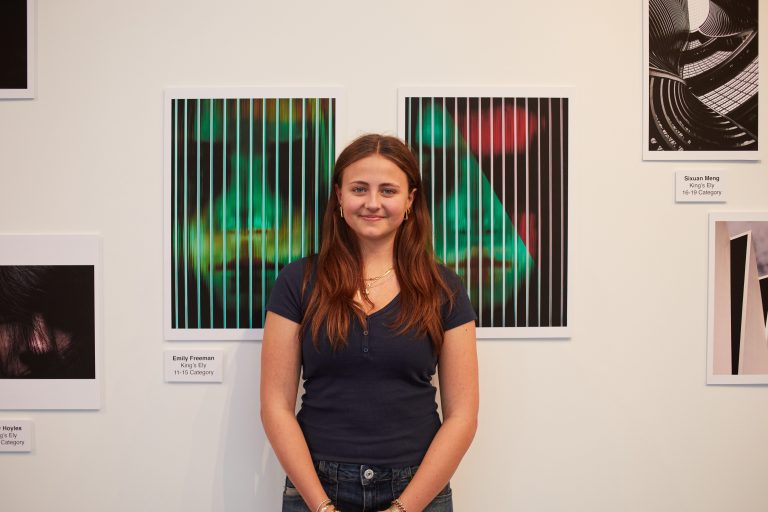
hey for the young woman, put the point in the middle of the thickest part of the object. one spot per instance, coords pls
(367, 321)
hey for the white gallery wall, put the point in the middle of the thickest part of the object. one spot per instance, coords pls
(618, 418)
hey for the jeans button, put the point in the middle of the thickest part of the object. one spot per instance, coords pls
(368, 474)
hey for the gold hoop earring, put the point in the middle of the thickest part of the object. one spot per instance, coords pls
(407, 211)
(341, 212)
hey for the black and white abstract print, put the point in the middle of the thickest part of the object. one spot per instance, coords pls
(702, 76)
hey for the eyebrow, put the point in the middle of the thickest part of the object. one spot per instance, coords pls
(358, 182)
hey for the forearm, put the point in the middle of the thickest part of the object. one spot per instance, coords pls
(440, 462)
(280, 371)
(288, 442)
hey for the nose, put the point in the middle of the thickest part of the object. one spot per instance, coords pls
(372, 200)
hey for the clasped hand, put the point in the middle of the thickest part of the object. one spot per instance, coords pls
(390, 509)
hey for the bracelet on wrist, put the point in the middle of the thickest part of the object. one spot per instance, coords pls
(399, 507)
(323, 506)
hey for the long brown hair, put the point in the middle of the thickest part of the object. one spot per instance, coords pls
(339, 271)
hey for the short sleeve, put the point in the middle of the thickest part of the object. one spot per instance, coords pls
(462, 310)
(285, 299)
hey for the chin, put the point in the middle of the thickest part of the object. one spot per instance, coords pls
(375, 235)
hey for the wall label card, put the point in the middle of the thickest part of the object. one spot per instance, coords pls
(15, 436)
(698, 187)
(194, 365)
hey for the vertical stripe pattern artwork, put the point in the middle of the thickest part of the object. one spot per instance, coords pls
(248, 179)
(496, 171)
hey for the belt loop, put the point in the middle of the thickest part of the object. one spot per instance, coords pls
(333, 472)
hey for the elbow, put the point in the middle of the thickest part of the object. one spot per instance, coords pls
(472, 428)
(470, 417)
(472, 420)
(264, 416)
(267, 415)
(465, 425)
(468, 429)
(274, 418)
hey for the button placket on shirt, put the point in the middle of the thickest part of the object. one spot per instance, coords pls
(366, 342)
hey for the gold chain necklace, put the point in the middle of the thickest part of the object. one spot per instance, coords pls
(372, 282)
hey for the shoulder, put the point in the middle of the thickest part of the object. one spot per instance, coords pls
(457, 309)
(286, 297)
(294, 272)
(452, 280)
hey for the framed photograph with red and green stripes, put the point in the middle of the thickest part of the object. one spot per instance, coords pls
(495, 163)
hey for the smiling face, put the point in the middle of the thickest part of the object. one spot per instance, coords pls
(374, 196)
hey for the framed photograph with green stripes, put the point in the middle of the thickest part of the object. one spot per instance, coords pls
(496, 166)
(247, 175)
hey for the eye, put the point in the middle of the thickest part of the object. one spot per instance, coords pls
(358, 189)
(389, 191)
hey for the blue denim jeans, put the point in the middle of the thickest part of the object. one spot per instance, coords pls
(362, 488)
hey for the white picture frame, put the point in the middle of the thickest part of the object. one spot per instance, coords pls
(28, 91)
(681, 99)
(540, 321)
(76, 251)
(738, 258)
(243, 326)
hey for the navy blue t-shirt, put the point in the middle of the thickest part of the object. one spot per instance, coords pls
(372, 402)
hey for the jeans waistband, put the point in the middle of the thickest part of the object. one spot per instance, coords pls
(345, 472)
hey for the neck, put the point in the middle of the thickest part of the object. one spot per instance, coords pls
(377, 258)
